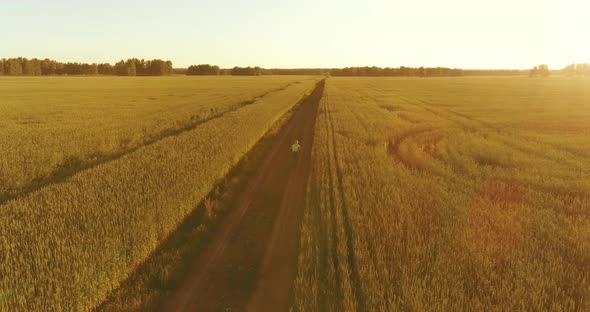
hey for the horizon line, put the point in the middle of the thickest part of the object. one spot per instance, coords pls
(304, 67)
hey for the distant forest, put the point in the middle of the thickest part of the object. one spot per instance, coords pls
(397, 72)
(578, 70)
(132, 67)
(136, 67)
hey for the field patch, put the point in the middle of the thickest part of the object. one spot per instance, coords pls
(472, 194)
(63, 118)
(100, 223)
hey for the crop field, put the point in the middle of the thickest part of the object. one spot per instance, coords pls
(52, 127)
(119, 164)
(448, 194)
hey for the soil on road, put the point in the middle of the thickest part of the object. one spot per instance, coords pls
(251, 260)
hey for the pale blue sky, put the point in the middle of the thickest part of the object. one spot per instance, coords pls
(302, 33)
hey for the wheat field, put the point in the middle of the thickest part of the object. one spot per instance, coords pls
(67, 245)
(53, 126)
(448, 194)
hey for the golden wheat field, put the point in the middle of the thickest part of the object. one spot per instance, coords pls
(54, 126)
(448, 194)
(66, 245)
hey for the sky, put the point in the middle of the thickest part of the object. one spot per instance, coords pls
(492, 34)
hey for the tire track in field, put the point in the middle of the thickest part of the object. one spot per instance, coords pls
(357, 289)
(319, 219)
(506, 137)
(417, 147)
(333, 214)
(74, 166)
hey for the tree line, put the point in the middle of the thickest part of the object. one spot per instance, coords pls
(493, 72)
(577, 70)
(299, 71)
(139, 67)
(132, 67)
(248, 71)
(401, 71)
(206, 69)
(203, 69)
(541, 70)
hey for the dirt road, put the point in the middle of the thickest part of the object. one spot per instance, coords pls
(250, 262)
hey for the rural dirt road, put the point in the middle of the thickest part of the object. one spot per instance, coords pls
(251, 260)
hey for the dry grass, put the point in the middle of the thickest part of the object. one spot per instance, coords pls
(453, 194)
